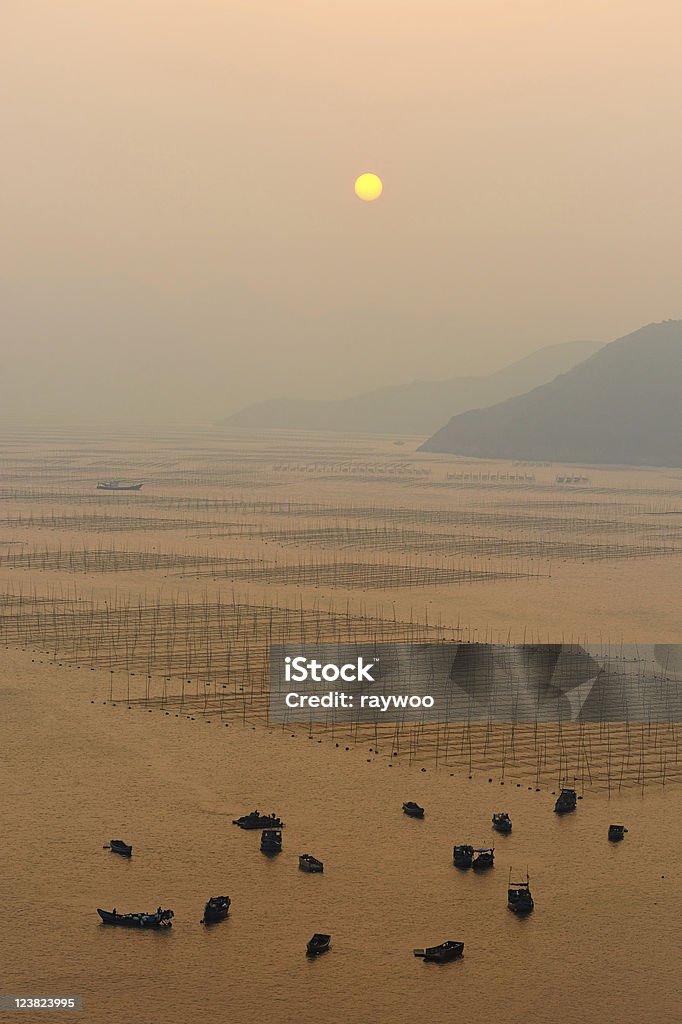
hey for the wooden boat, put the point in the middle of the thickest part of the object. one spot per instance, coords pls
(118, 846)
(463, 855)
(413, 810)
(116, 485)
(271, 840)
(485, 858)
(502, 823)
(318, 944)
(566, 801)
(519, 897)
(161, 919)
(441, 954)
(256, 820)
(216, 909)
(616, 833)
(312, 865)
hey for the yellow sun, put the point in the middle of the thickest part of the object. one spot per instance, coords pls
(368, 187)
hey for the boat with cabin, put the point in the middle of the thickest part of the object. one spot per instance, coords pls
(617, 833)
(566, 801)
(484, 859)
(312, 865)
(502, 823)
(271, 840)
(441, 954)
(519, 898)
(216, 909)
(413, 810)
(117, 485)
(463, 855)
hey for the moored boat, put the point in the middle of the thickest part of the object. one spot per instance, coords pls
(319, 943)
(441, 954)
(413, 810)
(616, 833)
(502, 823)
(216, 909)
(463, 855)
(161, 919)
(117, 485)
(519, 898)
(566, 801)
(484, 859)
(271, 840)
(256, 820)
(118, 846)
(312, 865)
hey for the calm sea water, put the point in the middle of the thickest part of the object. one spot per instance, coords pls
(602, 944)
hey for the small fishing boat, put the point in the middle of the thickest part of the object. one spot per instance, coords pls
(256, 820)
(616, 833)
(312, 865)
(216, 909)
(441, 954)
(502, 823)
(485, 858)
(566, 801)
(161, 919)
(318, 944)
(271, 840)
(519, 897)
(118, 846)
(463, 855)
(117, 485)
(413, 810)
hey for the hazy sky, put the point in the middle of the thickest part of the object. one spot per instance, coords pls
(178, 207)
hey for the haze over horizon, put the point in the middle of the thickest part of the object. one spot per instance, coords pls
(182, 236)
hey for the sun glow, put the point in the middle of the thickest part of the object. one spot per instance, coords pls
(368, 187)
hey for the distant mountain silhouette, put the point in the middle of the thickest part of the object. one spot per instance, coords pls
(416, 408)
(621, 406)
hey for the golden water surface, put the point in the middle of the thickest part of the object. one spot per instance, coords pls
(602, 560)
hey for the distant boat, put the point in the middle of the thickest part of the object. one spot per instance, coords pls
(161, 919)
(413, 810)
(256, 820)
(271, 840)
(566, 801)
(117, 485)
(311, 864)
(216, 909)
(519, 897)
(463, 855)
(502, 823)
(118, 846)
(318, 944)
(485, 858)
(449, 950)
(616, 833)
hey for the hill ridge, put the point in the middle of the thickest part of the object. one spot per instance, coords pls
(418, 407)
(620, 406)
